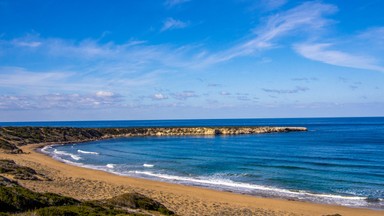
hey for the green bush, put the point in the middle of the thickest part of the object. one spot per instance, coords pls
(18, 199)
(138, 201)
(19, 172)
(82, 209)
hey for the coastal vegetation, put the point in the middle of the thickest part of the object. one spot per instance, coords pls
(9, 167)
(15, 198)
(12, 137)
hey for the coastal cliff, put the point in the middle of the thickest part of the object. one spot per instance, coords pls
(12, 137)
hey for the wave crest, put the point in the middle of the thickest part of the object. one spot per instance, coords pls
(111, 166)
(87, 152)
(73, 156)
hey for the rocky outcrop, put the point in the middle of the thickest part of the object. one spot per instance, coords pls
(199, 131)
(12, 137)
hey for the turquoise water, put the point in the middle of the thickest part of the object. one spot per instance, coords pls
(338, 161)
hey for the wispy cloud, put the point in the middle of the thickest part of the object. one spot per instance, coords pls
(305, 79)
(323, 52)
(86, 64)
(296, 90)
(375, 35)
(40, 82)
(134, 52)
(306, 18)
(214, 85)
(264, 5)
(20, 77)
(172, 3)
(60, 101)
(184, 95)
(171, 23)
(135, 56)
(273, 4)
(224, 93)
(243, 98)
(27, 43)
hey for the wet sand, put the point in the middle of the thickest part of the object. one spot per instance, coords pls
(88, 184)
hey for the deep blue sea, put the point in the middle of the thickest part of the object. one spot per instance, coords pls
(338, 161)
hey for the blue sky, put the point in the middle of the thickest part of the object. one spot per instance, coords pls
(183, 59)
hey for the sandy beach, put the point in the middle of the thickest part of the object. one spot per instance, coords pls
(87, 184)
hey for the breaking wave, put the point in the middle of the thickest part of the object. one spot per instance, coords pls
(87, 152)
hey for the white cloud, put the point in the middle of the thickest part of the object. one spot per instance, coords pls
(323, 52)
(159, 96)
(104, 94)
(171, 23)
(224, 93)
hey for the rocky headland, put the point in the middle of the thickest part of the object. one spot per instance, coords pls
(11, 138)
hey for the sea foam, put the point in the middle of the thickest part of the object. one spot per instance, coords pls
(257, 189)
(227, 184)
(46, 149)
(73, 156)
(111, 166)
(87, 152)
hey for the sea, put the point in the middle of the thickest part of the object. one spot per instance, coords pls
(337, 161)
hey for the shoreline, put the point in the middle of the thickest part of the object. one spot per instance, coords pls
(12, 137)
(233, 187)
(86, 184)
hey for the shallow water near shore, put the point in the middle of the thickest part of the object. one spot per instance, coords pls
(338, 161)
